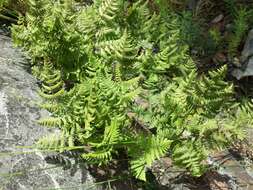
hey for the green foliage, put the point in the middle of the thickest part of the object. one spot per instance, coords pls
(52, 85)
(44, 33)
(94, 112)
(231, 7)
(190, 155)
(116, 52)
(241, 16)
(145, 151)
(196, 114)
(240, 28)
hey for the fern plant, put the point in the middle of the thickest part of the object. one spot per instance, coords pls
(52, 85)
(44, 34)
(118, 52)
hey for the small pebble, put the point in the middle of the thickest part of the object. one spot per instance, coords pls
(217, 19)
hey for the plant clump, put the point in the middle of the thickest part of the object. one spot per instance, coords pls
(106, 66)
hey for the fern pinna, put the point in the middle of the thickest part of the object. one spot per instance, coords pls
(119, 54)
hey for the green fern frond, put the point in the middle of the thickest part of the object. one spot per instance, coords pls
(108, 9)
(209, 93)
(191, 156)
(51, 79)
(138, 168)
(89, 112)
(53, 87)
(87, 22)
(52, 96)
(105, 148)
(117, 72)
(121, 48)
(149, 149)
(111, 134)
(52, 84)
(51, 106)
(102, 156)
(50, 142)
(50, 122)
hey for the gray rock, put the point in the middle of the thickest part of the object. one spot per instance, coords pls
(231, 174)
(192, 4)
(217, 19)
(168, 176)
(18, 115)
(240, 73)
(248, 47)
(246, 68)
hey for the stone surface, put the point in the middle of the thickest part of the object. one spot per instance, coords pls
(192, 4)
(217, 19)
(248, 47)
(18, 115)
(170, 177)
(240, 73)
(246, 68)
(233, 174)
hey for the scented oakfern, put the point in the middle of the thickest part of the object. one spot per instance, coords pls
(145, 151)
(52, 84)
(115, 53)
